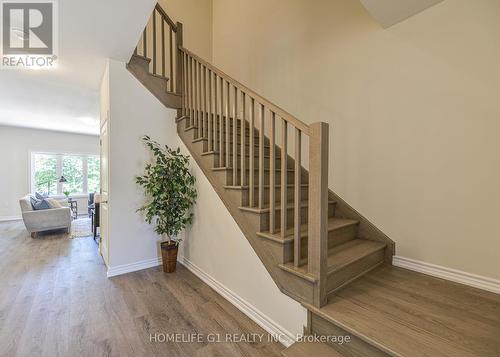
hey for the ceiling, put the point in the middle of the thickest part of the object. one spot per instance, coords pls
(67, 98)
(390, 12)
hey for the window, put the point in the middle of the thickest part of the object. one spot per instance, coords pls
(82, 173)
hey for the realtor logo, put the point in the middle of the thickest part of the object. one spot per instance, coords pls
(28, 33)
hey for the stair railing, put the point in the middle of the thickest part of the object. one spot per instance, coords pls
(159, 41)
(216, 105)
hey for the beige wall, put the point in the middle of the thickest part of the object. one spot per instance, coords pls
(413, 110)
(196, 17)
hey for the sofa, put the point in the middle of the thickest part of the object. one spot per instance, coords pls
(44, 220)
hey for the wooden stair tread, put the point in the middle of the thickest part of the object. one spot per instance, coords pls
(406, 313)
(289, 205)
(310, 349)
(340, 256)
(159, 76)
(333, 224)
(142, 57)
(348, 252)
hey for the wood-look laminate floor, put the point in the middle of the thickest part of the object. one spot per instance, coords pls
(55, 300)
(413, 314)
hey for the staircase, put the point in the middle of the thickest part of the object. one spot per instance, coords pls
(271, 171)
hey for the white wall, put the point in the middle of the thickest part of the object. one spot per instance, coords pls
(214, 243)
(133, 113)
(16, 145)
(413, 111)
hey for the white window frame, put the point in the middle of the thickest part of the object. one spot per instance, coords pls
(59, 170)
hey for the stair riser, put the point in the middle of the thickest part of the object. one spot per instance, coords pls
(156, 85)
(356, 346)
(335, 238)
(290, 195)
(290, 217)
(256, 150)
(142, 64)
(352, 271)
(277, 180)
(215, 160)
(216, 144)
(199, 122)
(277, 161)
(216, 135)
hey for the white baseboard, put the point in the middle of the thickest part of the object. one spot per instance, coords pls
(10, 218)
(264, 321)
(128, 268)
(457, 276)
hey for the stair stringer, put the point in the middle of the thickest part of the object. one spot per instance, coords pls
(139, 67)
(271, 255)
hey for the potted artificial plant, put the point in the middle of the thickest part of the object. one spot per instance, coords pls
(169, 188)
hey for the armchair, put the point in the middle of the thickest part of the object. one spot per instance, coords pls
(44, 220)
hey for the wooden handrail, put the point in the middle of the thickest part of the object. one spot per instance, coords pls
(164, 15)
(297, 123)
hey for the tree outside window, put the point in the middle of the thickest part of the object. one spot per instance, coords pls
(94, 173)
(73, 173)
(45, 167)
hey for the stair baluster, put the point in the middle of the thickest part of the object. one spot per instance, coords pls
(205, 108)
(171, 59)
(251, 168)
(222, 162)
(228, 125)
(145, 42)
(261, 156)
(154, 41)
(243, 139)
(297, 199)
(235, 135)
(187, 91)
(210, 115)
(272, 174)
(284, 178)
(191, 85)
(163, 48)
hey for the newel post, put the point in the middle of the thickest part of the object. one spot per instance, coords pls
(179, 75)
(318, 209)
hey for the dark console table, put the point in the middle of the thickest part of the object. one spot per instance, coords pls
(94, 216)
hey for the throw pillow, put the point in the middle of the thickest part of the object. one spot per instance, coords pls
(40, 196)
(39, 204)
(54, 203)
